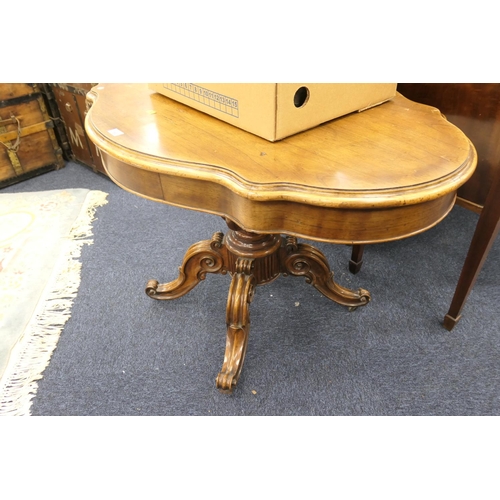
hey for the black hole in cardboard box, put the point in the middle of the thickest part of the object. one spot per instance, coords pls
(301, 97)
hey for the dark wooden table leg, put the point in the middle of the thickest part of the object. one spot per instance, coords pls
(301, 259)
(239, 298)
(251, 259)
(207, 256)
(356, 258)
(485, 233)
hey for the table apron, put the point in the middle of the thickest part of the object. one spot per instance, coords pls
(331, 224)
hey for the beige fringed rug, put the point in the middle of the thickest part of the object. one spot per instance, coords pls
(41, 236)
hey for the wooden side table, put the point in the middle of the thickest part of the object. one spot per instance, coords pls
(380, 175)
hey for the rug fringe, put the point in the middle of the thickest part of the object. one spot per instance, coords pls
(32, 354)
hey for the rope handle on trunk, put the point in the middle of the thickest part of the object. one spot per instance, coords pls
(14, 147)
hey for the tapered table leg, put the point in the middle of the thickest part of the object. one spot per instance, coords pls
(486, 231)
(356, 258)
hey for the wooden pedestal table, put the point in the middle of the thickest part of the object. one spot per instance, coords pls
(380, 175)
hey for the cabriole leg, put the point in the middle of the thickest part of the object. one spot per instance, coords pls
(238, 324)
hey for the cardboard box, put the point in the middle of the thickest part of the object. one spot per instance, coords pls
(277, 110)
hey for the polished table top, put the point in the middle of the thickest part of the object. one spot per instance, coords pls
(379, 175)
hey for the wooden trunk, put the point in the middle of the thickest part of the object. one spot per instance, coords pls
(28, 144)
(69, 102)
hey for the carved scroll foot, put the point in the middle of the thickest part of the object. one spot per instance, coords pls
(305, 260)
(201, 258)
(240, 295)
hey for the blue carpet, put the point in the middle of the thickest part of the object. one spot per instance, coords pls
(122, 353)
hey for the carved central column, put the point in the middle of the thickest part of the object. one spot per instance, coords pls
(262, 249)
